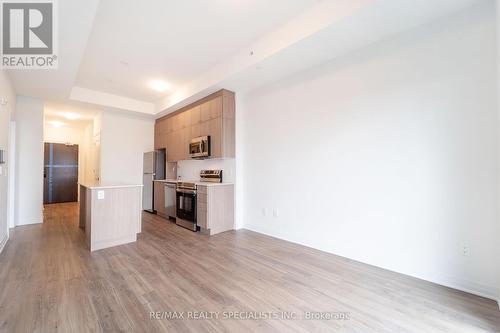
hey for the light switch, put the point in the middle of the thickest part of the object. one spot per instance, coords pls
(1, 170)
(100, 195)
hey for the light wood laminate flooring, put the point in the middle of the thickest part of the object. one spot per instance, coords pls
(50, 282)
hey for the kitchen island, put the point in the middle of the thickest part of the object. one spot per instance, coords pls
(110, 214)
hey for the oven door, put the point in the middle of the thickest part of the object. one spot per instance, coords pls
(186, 205)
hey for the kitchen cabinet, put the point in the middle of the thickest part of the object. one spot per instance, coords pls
(159, 198)
(196, 130)
(196, 115)
(170, 199)
(160, 131)
(211, 109)
(185, 119)
(215, 132)
(213, 116)
(110, 215)
(176, 122)
(173, 146)
(215, 208)
(216, 108)
(183, 145)
(205, 111)
(169, 125)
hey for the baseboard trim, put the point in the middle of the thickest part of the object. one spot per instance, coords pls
(449, 282)
(3, 243)
(104, 244)
(36, 220)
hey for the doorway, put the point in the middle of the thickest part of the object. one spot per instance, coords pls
(60, 174)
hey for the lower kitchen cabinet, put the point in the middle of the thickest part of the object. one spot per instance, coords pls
(159, 199)
(215, 208)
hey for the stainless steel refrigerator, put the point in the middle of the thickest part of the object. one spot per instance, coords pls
(153, 169)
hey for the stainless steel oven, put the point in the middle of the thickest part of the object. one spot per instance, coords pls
(186, 205)
(200, 147)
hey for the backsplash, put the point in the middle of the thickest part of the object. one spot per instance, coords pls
(190, 169)
(172, 170)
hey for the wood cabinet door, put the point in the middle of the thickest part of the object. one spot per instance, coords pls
(171, 147)
(159, 198)
(162, 125)
(195, 115)
(216, 107)
(157, 127)
(202, 207)
(185, 118)
(205, 111)
(161, 135)
(157, 135)
(176, 122)
(157, 140)
(215, 132)
(187, 136)
(196, 130)
(205, 128)
(169, 125)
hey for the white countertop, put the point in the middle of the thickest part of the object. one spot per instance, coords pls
(99, 185)
(196, 182)
(167, 181)
(212, 184)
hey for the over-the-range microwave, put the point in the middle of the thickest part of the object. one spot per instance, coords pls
(200, 147)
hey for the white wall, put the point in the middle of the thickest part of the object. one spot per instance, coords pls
(7, 92)
(190, 169)
(11, 193)
(65, 134)
(124, 139)
(29, 164)
(497, 4)
(387, 156)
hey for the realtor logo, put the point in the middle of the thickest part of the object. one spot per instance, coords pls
(28, 34)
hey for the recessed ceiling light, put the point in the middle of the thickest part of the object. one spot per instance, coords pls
(159, 85)
(56, 123)
(70, 115)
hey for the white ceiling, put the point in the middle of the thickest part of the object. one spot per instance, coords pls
(133, 42)
(110, 50)
(376, 21)
(75, 23)
(84, 115)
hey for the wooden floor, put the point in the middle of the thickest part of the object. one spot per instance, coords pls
(50, 282)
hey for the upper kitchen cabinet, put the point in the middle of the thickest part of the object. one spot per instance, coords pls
(213, 116)
(211, 109)
(195, 113)
(185, 119)
(160, 134)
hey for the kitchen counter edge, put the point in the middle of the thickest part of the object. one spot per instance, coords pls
(95, 186)
(198, 183)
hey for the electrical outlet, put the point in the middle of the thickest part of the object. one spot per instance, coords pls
(264, 212)
(466, 250)
(100, 195)
(276, 212)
